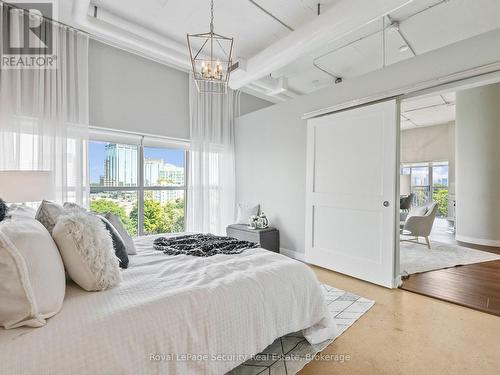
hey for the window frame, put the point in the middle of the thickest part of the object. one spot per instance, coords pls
(141, 142)
(430, 173)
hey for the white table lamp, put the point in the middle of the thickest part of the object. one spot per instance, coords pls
(26, 186)
(404, 184)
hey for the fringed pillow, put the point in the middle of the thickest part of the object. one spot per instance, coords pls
(87, 250)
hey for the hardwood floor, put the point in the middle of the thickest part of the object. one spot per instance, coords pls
(476, 285)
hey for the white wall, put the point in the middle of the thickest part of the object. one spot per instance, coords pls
(478, 165)
(271, 143)
(128, 92)
(250, 103)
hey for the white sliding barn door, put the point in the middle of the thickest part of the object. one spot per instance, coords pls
(351, 192)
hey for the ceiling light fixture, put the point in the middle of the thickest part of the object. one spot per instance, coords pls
(404, 48)
(211, 59)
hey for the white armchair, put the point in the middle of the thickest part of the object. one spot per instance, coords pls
(419, 223)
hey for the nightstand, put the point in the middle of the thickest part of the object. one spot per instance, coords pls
(268, 238)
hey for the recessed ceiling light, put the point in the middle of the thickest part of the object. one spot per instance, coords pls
(404, 48)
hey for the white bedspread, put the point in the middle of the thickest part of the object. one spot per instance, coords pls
(221, 309)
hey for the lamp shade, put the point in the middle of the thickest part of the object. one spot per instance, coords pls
(26, 186)
(405, 184)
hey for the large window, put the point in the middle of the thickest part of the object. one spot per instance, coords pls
(429, 182)
(144, 186)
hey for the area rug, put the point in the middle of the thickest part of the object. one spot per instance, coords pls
(415, 258)
(289, 354)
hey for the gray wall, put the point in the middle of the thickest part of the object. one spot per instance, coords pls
(478, 165)
(128, 92)
(250, 103)
(271, 143)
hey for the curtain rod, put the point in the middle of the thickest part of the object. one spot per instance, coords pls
(133, 133)
(3, 3)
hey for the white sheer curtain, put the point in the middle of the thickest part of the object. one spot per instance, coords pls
(44, 115)
(211, 181)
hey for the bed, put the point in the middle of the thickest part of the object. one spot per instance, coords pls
(174, 315)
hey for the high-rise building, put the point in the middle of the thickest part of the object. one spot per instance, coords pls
(159, 173)
(152, 169)
(120, 165)
(172, 175)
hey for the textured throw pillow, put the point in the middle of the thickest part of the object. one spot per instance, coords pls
(127, 240)
(118, 244)
(47, 214)
(32, 282)
(244, 213)
(87, 250)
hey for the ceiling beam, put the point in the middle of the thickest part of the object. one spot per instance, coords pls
(117, 31)
(343, 18)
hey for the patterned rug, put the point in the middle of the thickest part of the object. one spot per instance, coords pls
(289, 354)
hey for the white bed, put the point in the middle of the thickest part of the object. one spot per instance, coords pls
(232, 306)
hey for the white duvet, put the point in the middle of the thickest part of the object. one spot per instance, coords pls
(174, 315)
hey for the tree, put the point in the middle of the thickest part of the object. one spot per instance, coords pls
(440, 196)
(103, 206)
(173, 215)
(167, 218)
(153, 221)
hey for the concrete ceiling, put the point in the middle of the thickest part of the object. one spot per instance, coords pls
(251, 28)
(424, 25)
(427, 111)
(257, 25)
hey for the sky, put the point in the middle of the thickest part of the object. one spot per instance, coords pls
(96, 158)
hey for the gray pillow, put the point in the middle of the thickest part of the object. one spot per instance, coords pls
(118, 225)
(118, 244)
(47, 214)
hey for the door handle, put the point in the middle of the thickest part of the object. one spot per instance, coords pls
(386, 203)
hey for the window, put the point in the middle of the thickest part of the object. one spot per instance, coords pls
(429, 183)
(440, 187)
(144, 186)
(165, 179)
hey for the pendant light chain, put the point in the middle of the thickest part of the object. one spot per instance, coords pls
(212, 16)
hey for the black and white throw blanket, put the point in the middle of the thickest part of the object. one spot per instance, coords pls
(202, 245)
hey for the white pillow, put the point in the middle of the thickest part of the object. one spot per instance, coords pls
(21, 210)
(87, 250)
(244, 213)
(32, 280)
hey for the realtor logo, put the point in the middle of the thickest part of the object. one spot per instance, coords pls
(27, 35)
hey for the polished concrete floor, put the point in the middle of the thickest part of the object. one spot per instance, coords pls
(406, 333)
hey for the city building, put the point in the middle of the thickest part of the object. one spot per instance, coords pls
(120, 165)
